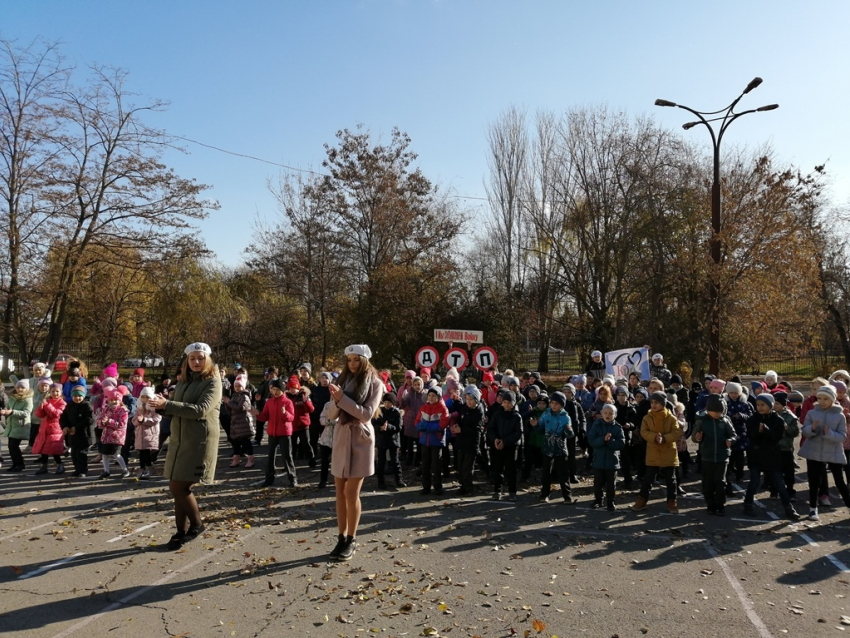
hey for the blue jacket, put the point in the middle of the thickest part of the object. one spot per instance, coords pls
(738, 412)
(556, 429)
(585, 398)
(606, 454)
(433, 419)
(68, 386)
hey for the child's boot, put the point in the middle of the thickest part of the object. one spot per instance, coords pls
(250, 463)
(672, 506)
(639, 505)
(235, 461)
(42, 469)
(60, 468)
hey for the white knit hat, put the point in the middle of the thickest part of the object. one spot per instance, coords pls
(359, 348)
(198, 346)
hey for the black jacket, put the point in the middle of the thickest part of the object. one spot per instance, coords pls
(319, 396)
(506, 426)
(79, 416)
(392, 419)
(472, 422)
(763, 447)
(576, 414)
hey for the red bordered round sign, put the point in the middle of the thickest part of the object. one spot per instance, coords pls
(484, 358)
(456, 358)
(427, 357)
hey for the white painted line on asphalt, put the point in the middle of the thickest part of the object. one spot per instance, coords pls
(746, 603)
(126, 599)
(140, 529)
(46, 568)
(832, 559)
(59, 520)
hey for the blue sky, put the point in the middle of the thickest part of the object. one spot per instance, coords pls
(277, 79)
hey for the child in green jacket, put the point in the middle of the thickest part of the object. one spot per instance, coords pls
(715, 434)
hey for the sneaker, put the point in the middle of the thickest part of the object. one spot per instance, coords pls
(399, 482)
(792, 514)
(322, 485)
(749, 510)
(125, 473)
(512, 497)
(720, 511)
(824, 501)
(42, 470)
(60, 469)
(348, 549)
(105, 475)
(813, 514)
(340, 543)
(611, 507)
(145, 474)
(497, 496)
(681, 491)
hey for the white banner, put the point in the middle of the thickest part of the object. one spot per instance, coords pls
(461, 336)
(621, 363)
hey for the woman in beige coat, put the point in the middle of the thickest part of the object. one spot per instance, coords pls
(193, 447)
(354, 401)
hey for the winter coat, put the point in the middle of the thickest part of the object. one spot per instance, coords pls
(662, 454)
(193, 445)
(18, 422)
(594, 369)
(241, 418)
(67, 386)
(410, 402)
(136, 390)
(555, 428)
(627, 419)
(432, 421)
(113, 422)
(763, 450)
(326, 438)
(272, 414)
(845, 406)
(792, 430)
(577, 417)
(662, 373)
(80, 418)
(37, 398)
(472, 423)
(739, 412)
(303, 408)
(319, 396)
(50, 439)
(353, 453)
(829, 447)
(392, 419)
(679, 413)
(585, 398)
(715, 434)
(147, 429)
(505, 425)
(701, 401)
(606, 454)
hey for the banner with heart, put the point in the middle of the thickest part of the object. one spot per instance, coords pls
(621, 363)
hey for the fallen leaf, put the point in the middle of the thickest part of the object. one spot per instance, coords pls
(538, 625)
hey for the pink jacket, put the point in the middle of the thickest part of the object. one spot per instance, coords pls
(113, 422)
(147, 429)
(50, 439)
(353, 453)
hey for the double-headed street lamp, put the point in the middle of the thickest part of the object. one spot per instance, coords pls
(728, 116)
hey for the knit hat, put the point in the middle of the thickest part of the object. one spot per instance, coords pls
(78, 390)
(435, 390)
(533, 388)
(621, 390)
(123, 390)
(559, 398)
(657, 357)
(796, 397)
(140, 372)
(771, 375)
(110, 371)
(359, 348)
(108, 382)
(767, 397)
(452, 373)
(643, 392)
(507, 395)
(165, 377)
(658, 397)
(839, 386)
(473, 392)
(389, 396)
(327, 375)
(23, 384)
(488, 377)
(306, 366)
(781, 398)
(827, 390)
(717, 383)
(111, 394)
(760, 385)
(609, 378)
(715, 403)
(241, 380)
(568, 386)
(595, 354)
(734, 388)
(425, 371)
(147, 392)
(277, 383)
(293, 383)
(543, 397)
(408, 374)
(511, 381)
(580, 378)
(676, 379)
(609, 407)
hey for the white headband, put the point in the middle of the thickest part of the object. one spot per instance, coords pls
(198, 347)
(359, 348)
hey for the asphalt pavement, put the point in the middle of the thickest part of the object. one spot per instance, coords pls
(84, 557)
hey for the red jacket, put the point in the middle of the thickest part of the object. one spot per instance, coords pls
(303, 409)
(278, 423)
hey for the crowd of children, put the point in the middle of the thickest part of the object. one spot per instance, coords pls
(510, 428)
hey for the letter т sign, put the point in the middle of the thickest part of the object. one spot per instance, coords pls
(484, 358)
(427, 357)
(456, 358)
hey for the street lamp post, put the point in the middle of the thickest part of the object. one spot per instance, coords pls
(725, 116)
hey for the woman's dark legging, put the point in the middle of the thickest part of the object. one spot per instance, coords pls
(816, 477)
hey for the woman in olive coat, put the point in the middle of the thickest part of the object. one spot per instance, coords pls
(193, 447)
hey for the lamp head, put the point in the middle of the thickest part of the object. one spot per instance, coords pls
(769, 107)
(753, 84)
(689, 125)
(660, 102)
